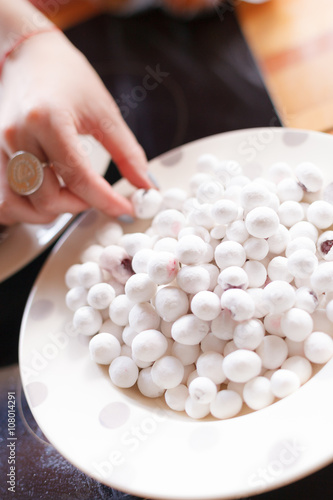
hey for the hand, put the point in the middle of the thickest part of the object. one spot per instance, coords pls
(50, 94)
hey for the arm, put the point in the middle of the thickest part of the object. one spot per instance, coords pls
(49, 94)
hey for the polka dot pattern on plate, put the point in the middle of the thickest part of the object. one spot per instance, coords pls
(114, 415)
(294, 138)
(41, 309)
(36, 393)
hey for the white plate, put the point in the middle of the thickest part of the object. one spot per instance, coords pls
(24, 242)
(135, 444)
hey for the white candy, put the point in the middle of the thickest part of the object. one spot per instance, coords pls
(318, 347)
(197, 179)
(133, 242)
(206, 305)
(239, 303)
(256, 273)
(146, 203)
(143, 316)
(273, 351)
(224, 211)
(249, 334)
(227, 404)
(278, 242)
(213, 271)
(322, 278)
(299, 365)
(278, 269)
(310, 176)
(212, 343)
(187, 354)
(233, 277)
(256, 248)
(123, 372)
(257, 393)
(141, 259)
(305, 229)
(140, 288)
(189, 330)
(329, 310)
(101, 295)
(223, 326)
(302, 263)
(262, 222)
(169, 222)
(279, 296)
(320, 213)
(229, 253)
(306, 299)
(202, 390)
(209, 191)
(278, 171)
(284, 382)
(290, 212)
(76, 297)
(195, 409)
(162, 267)
(241, 365)
(89, 274)
(171, 303)
(254, 195)
(175, 398)
(300, 243)
(149, 345)
(257, 295)
(236, 231)
(296, 324)
(166, 244)
(207, 163)
(87, 320)
(109, 326)
(191, 249)
(119, 309)
(167, 372)
(104, 348)
(272, 324)
(116, 260)
(289, 189)
(128, 335)
(109, 234)
(146, 385)
(210, 364)
(72, 276)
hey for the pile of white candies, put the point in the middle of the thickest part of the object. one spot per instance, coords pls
(225, 300)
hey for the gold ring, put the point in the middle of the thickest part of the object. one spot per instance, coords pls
(25, 173)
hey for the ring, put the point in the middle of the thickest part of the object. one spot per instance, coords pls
(25, 173)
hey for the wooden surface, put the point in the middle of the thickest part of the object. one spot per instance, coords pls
(292, 43)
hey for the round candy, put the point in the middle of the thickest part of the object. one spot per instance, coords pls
(279, 296)
(262, 222)
(239, 303)
(189, 329)
(202, 389)
(104, 348)
(175, 398)
(162, 267)
(89, 274)
(149, 345)
(146, 203)
(299, 365)
(191, 249)
(310, 176)
(76, 297)
(227, 404)
(241, 365)
(318, 347)
(171, 303)
(140, 288)
(210, 364)
(168, 222)
(233, 277)
(320, 213)
(229, 253)
(119, 309)
(123, 372)
(87, 320)
(143, 316)
(196, 409)
(296, 324)
(257, 393)
(147, 386)
(167, 372)
(273, 351)
(101, 295)
(256, 248)
(284, 382)
(249, 334)
(206, 305)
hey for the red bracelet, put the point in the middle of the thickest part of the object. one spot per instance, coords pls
(22, 39)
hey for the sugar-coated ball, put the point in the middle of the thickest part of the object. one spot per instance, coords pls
(169, 222)
(171, 303)
(143, 316)
(196, 409)
(119, 309)
(189, 329)
(149, 345)
(302, 263)
(224, 211)
(226, 404)
(296, 324)
(202, 389)
(141, 259)
(133, 242)
(322, 278)
(310, 176)
(290, 212)
(147, 386)
(76, 297)
(273, 351)
(278, 242)
(224, 325)
(306, 299)
(104, 348)
(116, 260)
(299, 365)
(123, 372)
(210, 364)
(89, 274)
(257, 393)
(101, 295)
(162, 267)
(167, 372)
(277, 269)
(175, 398)
(249, 334)
(191, 249)
(233, 277)
(72, 276)
(318, 347)
(256, 248)
(256, 273)
(87, 320)
(140, 288)
(284, 382)
(239, 303)
(241, 365)
(206, 305)
(262, 222)
(320, 213)
(288, 189)
(325, 244)
(300, 243)
(229, 253)
(279, 296)
(146, 203)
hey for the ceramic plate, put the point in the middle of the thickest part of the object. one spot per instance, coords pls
(24, 242)
(135, 444)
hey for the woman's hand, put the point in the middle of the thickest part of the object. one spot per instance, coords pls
(49, 94)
